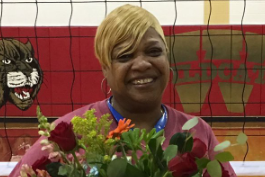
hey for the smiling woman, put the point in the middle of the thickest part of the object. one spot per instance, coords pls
(134, 62)
(131, 48)
(138, 80)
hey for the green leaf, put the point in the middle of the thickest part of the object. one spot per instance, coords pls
(202, 163)
(76, 173)
(188, 145)
(125, 136)
(168, 174)
(178, 139)
(242, 138)
(132, 139)
(157, 152)
(143, 161)
(64, 170)
(136, 133)
(197, 175)
(143, 134)
(222, 146)
(134, 136)
(157, 134)
(156, 147)
(149, 135)
(183, 141)
(158, 173)
(190, 123)
(117, 168)
(224, 157)
(214, 169)
(127, 139)
(53, 169)
(103, 171)
(39, 114)
(132, 171)
(170, 152)
(160, 140)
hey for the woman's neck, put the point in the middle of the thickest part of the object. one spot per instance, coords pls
(146, 117)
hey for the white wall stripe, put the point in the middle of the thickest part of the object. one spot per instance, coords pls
(247, 168)
(91, 14)
(255, 13)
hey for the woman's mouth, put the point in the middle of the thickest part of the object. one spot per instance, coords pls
(142, 81)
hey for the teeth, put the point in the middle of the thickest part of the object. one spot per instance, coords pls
(29, 83)
(27, 95)
(142, 81)
(17, 94)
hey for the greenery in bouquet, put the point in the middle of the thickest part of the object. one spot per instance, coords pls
(87, 148)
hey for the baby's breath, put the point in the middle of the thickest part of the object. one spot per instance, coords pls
(93, 132)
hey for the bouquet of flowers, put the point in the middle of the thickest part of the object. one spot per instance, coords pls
(87, 148)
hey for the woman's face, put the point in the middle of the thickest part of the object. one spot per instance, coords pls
(141, 76)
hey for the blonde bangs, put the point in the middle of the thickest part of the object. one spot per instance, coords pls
(124, 25)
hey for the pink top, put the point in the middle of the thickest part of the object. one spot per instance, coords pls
(176, 119)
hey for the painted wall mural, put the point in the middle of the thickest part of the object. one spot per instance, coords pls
(71, 74)
(21, 75)
(46, 66)
(236, 65)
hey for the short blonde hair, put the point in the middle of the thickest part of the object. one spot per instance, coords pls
(126, 23)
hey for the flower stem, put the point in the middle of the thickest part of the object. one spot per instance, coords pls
(134, 156)
(123, 151)
(165, 175)
(76, 160)
(64, 158)
(78, 163)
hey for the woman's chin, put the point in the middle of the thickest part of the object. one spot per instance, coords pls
(147, 99)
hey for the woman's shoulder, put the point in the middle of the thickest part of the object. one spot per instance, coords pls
(182, 117)
(176, 119)
(99, 106)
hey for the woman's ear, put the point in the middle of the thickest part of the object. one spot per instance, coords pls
(105, 71)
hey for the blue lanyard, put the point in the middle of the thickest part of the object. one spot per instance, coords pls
(159, 125)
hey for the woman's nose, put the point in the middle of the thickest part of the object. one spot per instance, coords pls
(141, 63)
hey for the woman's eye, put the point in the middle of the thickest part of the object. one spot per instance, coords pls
(124, 58)
(155, 52)
(29, 60)
(6, 61)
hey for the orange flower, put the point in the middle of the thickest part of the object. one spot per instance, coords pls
(42, 173)
(123, 126)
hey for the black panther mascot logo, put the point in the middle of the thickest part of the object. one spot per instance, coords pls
(20, 73)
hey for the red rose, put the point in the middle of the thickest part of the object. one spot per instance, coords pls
(64, 136)
(41, 164)
(183, 165)
(225, 173)
(199, 149)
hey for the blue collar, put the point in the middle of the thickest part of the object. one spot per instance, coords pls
(159, 125)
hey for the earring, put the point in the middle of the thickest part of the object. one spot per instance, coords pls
(102, 87)
(173, 73)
